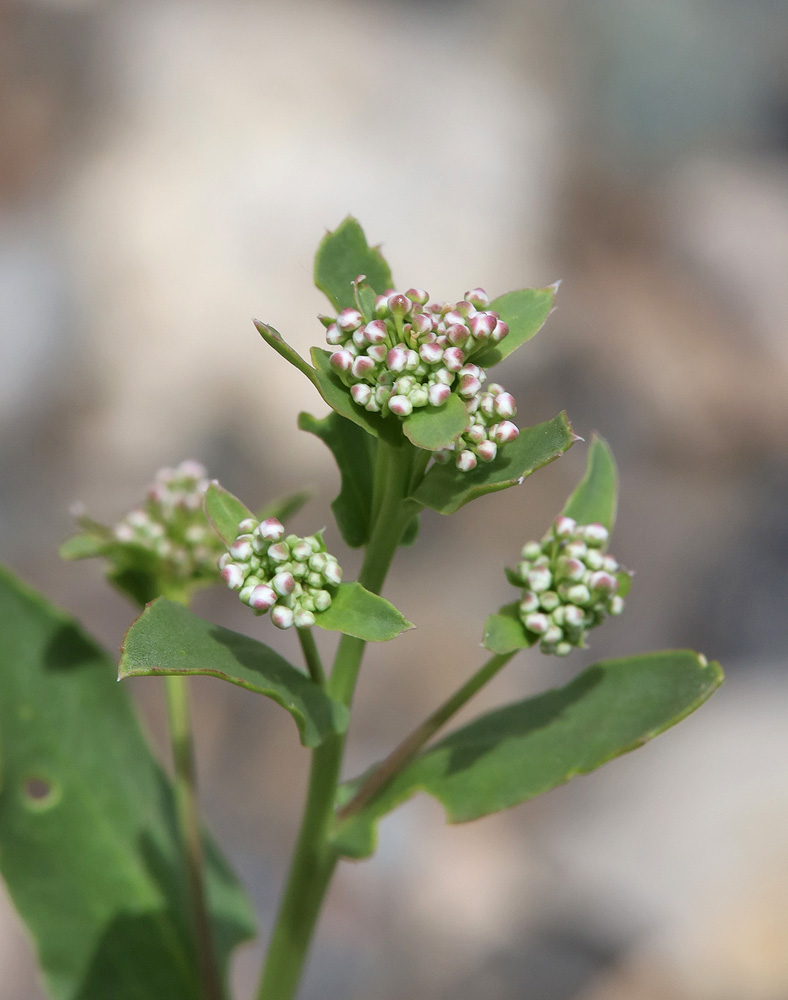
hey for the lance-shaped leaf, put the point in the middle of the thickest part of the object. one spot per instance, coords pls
(275, 339)
(445, 488)
(89, 847)
(339, 399)
(356, 611)
(342, 256)
(435, 427)
(225, 512)
(525, 313)
(350, 447)
(515, 753)
(504, 631)
(596, 496)
(168, 639)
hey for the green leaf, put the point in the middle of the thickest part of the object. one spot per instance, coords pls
(525, 313)
(88, 837)
(339, 399)
(342, 256)
(435, 427)
(283, 508)
(356, 611)
(446, 489)
(515, 753)
(275, 339)
(84, 546)
(595, 498)
(350, 447)
(168, 639)
(504, 631)
(225, 512)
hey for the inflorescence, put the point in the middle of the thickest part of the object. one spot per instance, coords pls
(171, 523)
(570, 585)
(289, 576)
(414, 354)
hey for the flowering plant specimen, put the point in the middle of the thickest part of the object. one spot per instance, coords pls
(122, 890)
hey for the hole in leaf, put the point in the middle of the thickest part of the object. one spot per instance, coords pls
(40, 793)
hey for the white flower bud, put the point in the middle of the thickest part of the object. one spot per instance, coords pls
(443, 376)
(247, 526)
(271, 529)
(610, 564)
(573, 616)
(466, 461)
(125, 533)
(452, 317)
(377, 352)
(396, 359)
(469, 386)
(400, 405)
(487, 450)
(438, 394)
(576, 549)
(282, 617)
(477, 297)
(537, 623)
(531, 550)
(418, 295)
(303, 618)
(482, 325)
(332, 572)
(419, 396)
(262, 598)
(501, 330)
(376, 332)
(341, 361)
(278, 553)
(318, 561)
(301, 549)
(224, 560)
(349, 319)
(529, 603)
(283, 583)
(335, 336)
(603, 581)
(579, 594)
(505, 431)
(361, 393)
(563, 648)
(457, 334)
(594, 559)
(322, 600)
(453, 358)
(233, 575)
(549, 600)
(595, 534)
(616, 605)
(399, 304)
(242, 548)
(572, 569)
(362, 366)
(540, 579)
(552, 635)
(430, 353)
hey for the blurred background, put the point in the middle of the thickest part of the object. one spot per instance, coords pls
(166, 172)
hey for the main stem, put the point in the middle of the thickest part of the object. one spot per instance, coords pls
(189, 828)
(314, 858)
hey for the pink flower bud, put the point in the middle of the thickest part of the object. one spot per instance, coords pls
(378, 353)
(574, 617)
(505, 431)
(579, 594)
(375, 332)
(413, 361)
(469, 386)
(301, 549)
(487, 404)
(438, 394)
(283, 584)
(443, 376)
(399, 304)
(396, 359)
(529, 603)
(457, 334)
(242, 547)
(487, 450)
(362, 366)
(430, 353)
(334, 335)
(349, 319)
(564, 526)
(422, 323)
(332, 573)
(572, 569)
(303, 618)
(454, 316)
(595, 534)
(443, 456)
(505, 405)
(603, 581)
(476, 434)
(400, 405)
(262, 598)
(271, 529)
(466, 461)
(282, 617)
(540, 579)
(453, 358)
(552, 635)
(501, 330)
(233, 576)
(278, 553)
(381, 306)
(482, 325)
(341, 361)
(418, 295)
(477, 297)
(361, 393)
(537, 622)
(247, 526)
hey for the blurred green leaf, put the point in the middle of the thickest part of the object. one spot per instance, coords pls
(435, 427)
(84, 546)
(445, 488)
(342, 256)
(356, 611)
(350, 447)
(168, 639)
(225, 512)
(525, 313)
(504, 631)
(515, 753)
(89, 847)
(595, 498)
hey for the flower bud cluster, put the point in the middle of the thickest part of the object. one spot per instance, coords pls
(289, 576)
(171, 523)
(416, 353)
(570, 585)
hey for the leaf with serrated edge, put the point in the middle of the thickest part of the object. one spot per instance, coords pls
(356, 611)
(168, 639)
(342, 256)
(504, 631)
(225, 512)
(445, 488)
(525, 313)
(522, 750)
(596, 496)
(349, 445)
(435, 427)
(89, 843)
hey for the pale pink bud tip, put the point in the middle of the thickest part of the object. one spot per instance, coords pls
(417, 295)
(565, 526)
(233, 576)
(487, 450)
(341, 361)
(537, 622)
(361, 394)
(242, 547)
(603, 581)
(505, 432)
(262, 598)
(438, 394)
(453, 358)
(283, 584)
(400, 405)
(399, 304)
(272, 529)
(396, 359)
(477, 297)
(505, 405)
(282, 617)
(333, 573)
(349, 319)
(595, 534)
(466, 461)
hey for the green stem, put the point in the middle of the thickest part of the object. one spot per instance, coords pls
(189, 828)
(410, 746)
(314, 858)
(311, 656)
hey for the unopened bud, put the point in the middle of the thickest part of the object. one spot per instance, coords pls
(549, 600)
(431, 354)
(579, 594)
(457, 334)
(595, 534)
(381, 305)
(271, 529)
(477, 297)
(341, 361)
(262, 598)
(501, 330)
(242, 548)
(399, 304)
(466, 461)
(616, 605)
(438, 394)
(594, 559)
(233, 575)
(469, 386)
(247, 526)
(332, 572)
(377, 352)
(334, 335)
(396, 359)
(282, 617)
(453, 358)
(349, 319)
(573, 616)
(418, 295)
(603, 581)
(563, 648)
(376, 332)
(553, 634)
(487, 450)
(303, 618)
(504, 405)
(422, 324)
(322, 600)
(400, 405)
(539, 579)
(482, 325)
(361, 393)
(362, 366)
(564, 526)
(531, 550)
(537, 623)
(505, 431)
(278, 553)
(283, 584)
